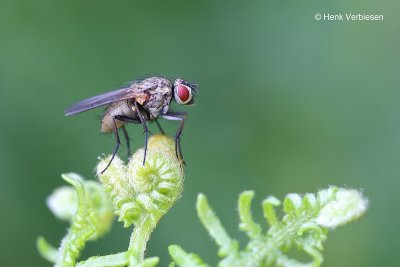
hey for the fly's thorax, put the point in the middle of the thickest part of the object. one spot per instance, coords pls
(154, 82)
(122, 108)
(159, 96)
(158, 103)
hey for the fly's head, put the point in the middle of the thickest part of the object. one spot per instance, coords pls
(184, 92)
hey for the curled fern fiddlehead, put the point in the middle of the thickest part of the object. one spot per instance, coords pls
(141, 191)
(143, 194)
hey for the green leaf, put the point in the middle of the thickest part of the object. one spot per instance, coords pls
(184, 259)
(214, 227)
(149, 262)
(46, 250)
(114, 260)
(269, 211)
(247, 223)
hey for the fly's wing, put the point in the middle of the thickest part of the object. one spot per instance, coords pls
(137, 90)
(101, 100)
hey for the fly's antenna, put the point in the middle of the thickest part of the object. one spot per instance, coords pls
(194, 87)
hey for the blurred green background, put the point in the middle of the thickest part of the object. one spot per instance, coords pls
(286, 104)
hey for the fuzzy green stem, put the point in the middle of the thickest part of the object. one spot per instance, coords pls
(138, 241)
(82, 227)
(273, 245)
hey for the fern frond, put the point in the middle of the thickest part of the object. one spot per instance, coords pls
(305, 225)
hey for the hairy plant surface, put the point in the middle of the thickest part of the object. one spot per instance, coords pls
(140, 195)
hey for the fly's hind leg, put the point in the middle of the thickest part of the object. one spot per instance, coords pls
(115, 130)
(128, 120)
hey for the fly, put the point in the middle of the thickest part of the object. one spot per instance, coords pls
(143, 101)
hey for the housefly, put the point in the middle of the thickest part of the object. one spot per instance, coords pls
(142, 102)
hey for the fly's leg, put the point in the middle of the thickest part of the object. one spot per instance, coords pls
(159, 127)
(177, 116)
(124, 119)
(128, 147)
(146, 130)
(116, 146)
(129, 120)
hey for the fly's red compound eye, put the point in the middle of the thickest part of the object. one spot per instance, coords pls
(183, 94)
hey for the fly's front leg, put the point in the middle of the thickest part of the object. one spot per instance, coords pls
(146, 130)
(177, 116)
(115, 130)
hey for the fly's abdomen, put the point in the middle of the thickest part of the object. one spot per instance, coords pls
(121, 108)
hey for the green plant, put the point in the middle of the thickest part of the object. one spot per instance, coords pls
(305, 224)
(140, 195)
